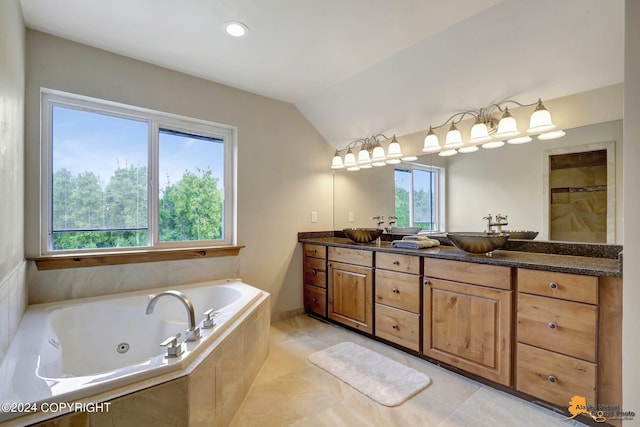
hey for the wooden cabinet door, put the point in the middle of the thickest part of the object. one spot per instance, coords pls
(350, 295)
(469, 327)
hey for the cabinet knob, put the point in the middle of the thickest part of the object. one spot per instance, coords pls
(314, 299)
(314, 272)
(395, 291)
(426, 282)
(552, 379)
(552, 325)
(394, 326)
(553, 285)
(396, 262)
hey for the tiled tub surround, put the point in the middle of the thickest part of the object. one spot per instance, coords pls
(204, 386)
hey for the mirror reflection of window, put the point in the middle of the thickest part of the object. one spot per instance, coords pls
(416, 197)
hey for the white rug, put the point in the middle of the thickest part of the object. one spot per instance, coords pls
(384, 380)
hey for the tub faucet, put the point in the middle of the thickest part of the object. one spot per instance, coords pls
(191, 334)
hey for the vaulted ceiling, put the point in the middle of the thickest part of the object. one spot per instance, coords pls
(359, 67)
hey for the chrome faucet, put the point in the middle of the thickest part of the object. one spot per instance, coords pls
(193, 332)
(499, 222)
(379, 219)
(391, 220)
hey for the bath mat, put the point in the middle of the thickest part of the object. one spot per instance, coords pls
(383, 380)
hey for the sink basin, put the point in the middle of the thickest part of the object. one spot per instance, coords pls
(362, 235)
(405, 230)
(478, 243)
(520, 234)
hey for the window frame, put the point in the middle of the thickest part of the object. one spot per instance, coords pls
(155, 120)
(439, 199)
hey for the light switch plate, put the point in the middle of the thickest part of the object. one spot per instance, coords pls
(314, 216)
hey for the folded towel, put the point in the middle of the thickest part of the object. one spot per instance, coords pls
(415, 237)
(415, 244)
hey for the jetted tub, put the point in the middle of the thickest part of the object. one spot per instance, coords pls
(64, 351)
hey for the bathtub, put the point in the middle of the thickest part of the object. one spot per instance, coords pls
(66, 351)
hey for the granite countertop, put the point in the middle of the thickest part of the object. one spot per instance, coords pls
(585, 265)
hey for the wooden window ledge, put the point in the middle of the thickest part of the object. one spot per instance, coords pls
(95, 259)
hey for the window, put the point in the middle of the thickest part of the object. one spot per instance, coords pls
(418, 197)
(123, 177)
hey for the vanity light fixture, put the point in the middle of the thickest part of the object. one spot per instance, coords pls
(488, 131)
(370, 154)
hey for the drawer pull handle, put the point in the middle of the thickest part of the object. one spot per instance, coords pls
(314, 272)
(396, 262)
(426, 282)
(394, 326)
(395, 291)
(314, 299)
(552, 325)
(553, 285)
(552, 379)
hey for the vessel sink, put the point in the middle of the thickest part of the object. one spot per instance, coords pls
(478, 243)
(362, 235)
(521, 234)
(405, 230)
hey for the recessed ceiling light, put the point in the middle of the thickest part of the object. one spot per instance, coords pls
(235, 29)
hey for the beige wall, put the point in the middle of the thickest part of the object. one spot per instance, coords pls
(631, 129)
(13, 289)
(282, 172)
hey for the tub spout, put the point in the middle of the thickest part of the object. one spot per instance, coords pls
(191, 334)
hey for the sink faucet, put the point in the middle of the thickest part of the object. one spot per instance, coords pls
(379, 219)
(392, 221)
(193, 332)
(489, 219)
(499, 222)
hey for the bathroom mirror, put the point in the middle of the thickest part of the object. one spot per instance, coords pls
(512, 180)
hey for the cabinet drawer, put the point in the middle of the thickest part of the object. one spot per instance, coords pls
(563, 326)
(399, 290)
(351, 256)
(559, 285)
(395, 262)
(315, 272)
(398, 326)
(316, 251)
(494, 276)
(554, 377)
(315, 299)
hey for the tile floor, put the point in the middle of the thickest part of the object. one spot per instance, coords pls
(290, 391)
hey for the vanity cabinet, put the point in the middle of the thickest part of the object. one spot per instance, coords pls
(315, 278)
(350, 287)
(557, 332)
(467, 317)
(397, 299)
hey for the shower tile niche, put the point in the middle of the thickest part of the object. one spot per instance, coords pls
(578, 196)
